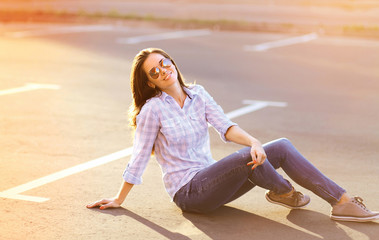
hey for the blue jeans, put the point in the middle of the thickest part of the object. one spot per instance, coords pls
(230, 178)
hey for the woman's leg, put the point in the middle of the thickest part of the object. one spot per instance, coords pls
(281, 153)
(225, 181)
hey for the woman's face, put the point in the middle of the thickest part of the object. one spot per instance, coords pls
(165, 75)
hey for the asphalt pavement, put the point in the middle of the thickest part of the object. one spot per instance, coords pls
(74, 117)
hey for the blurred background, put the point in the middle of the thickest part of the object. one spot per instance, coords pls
(64, 96)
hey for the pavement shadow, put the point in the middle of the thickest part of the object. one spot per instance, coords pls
(317, 223)
(153, 226)
(322, 225)
(231, 223)
(370, 229)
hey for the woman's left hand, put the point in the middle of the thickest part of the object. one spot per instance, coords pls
(258, 155)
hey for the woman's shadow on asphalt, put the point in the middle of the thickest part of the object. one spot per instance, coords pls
(153, 226)
(232, 223)
(329, 229)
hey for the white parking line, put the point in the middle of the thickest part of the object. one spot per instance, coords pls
(281, 43)
(14, 193)
(29, 87)
(164, 36)
(55, 30)
(253, 106)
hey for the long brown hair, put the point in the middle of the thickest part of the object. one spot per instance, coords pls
(141, 91)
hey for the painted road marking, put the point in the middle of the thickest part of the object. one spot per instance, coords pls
(14, 193)
(29, 87)
(164, 36)
(253, 106)
(64, 30)
(281, 43)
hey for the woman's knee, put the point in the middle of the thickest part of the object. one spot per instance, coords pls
(285, 142)
(282, 144)
(277, 151)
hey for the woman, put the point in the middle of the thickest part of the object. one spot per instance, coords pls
(171, 120)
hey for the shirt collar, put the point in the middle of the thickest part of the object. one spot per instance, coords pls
(188, 91)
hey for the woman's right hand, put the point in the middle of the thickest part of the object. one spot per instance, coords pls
(105, 203)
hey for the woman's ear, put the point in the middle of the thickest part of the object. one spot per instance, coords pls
(150, 84)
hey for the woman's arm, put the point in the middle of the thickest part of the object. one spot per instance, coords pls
(116, 201)
(144, 138)
(238, 135)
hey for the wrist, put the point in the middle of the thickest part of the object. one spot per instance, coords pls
(255, 142)
(118, 200)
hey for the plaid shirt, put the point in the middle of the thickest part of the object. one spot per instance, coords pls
(180, 137)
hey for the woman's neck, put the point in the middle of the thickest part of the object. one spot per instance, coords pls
(178, 94)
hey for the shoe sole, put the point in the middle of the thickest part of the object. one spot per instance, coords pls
(354, 219)
(285, 205)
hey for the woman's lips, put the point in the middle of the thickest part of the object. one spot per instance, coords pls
(168, 76)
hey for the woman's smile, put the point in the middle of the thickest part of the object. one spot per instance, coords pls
(168, 75)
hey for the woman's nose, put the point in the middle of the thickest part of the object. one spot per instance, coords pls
(163, 71)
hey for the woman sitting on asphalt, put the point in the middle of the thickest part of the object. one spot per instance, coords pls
(171, 119)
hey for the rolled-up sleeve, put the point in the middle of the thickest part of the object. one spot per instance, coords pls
(145, 135)
(215, 115)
